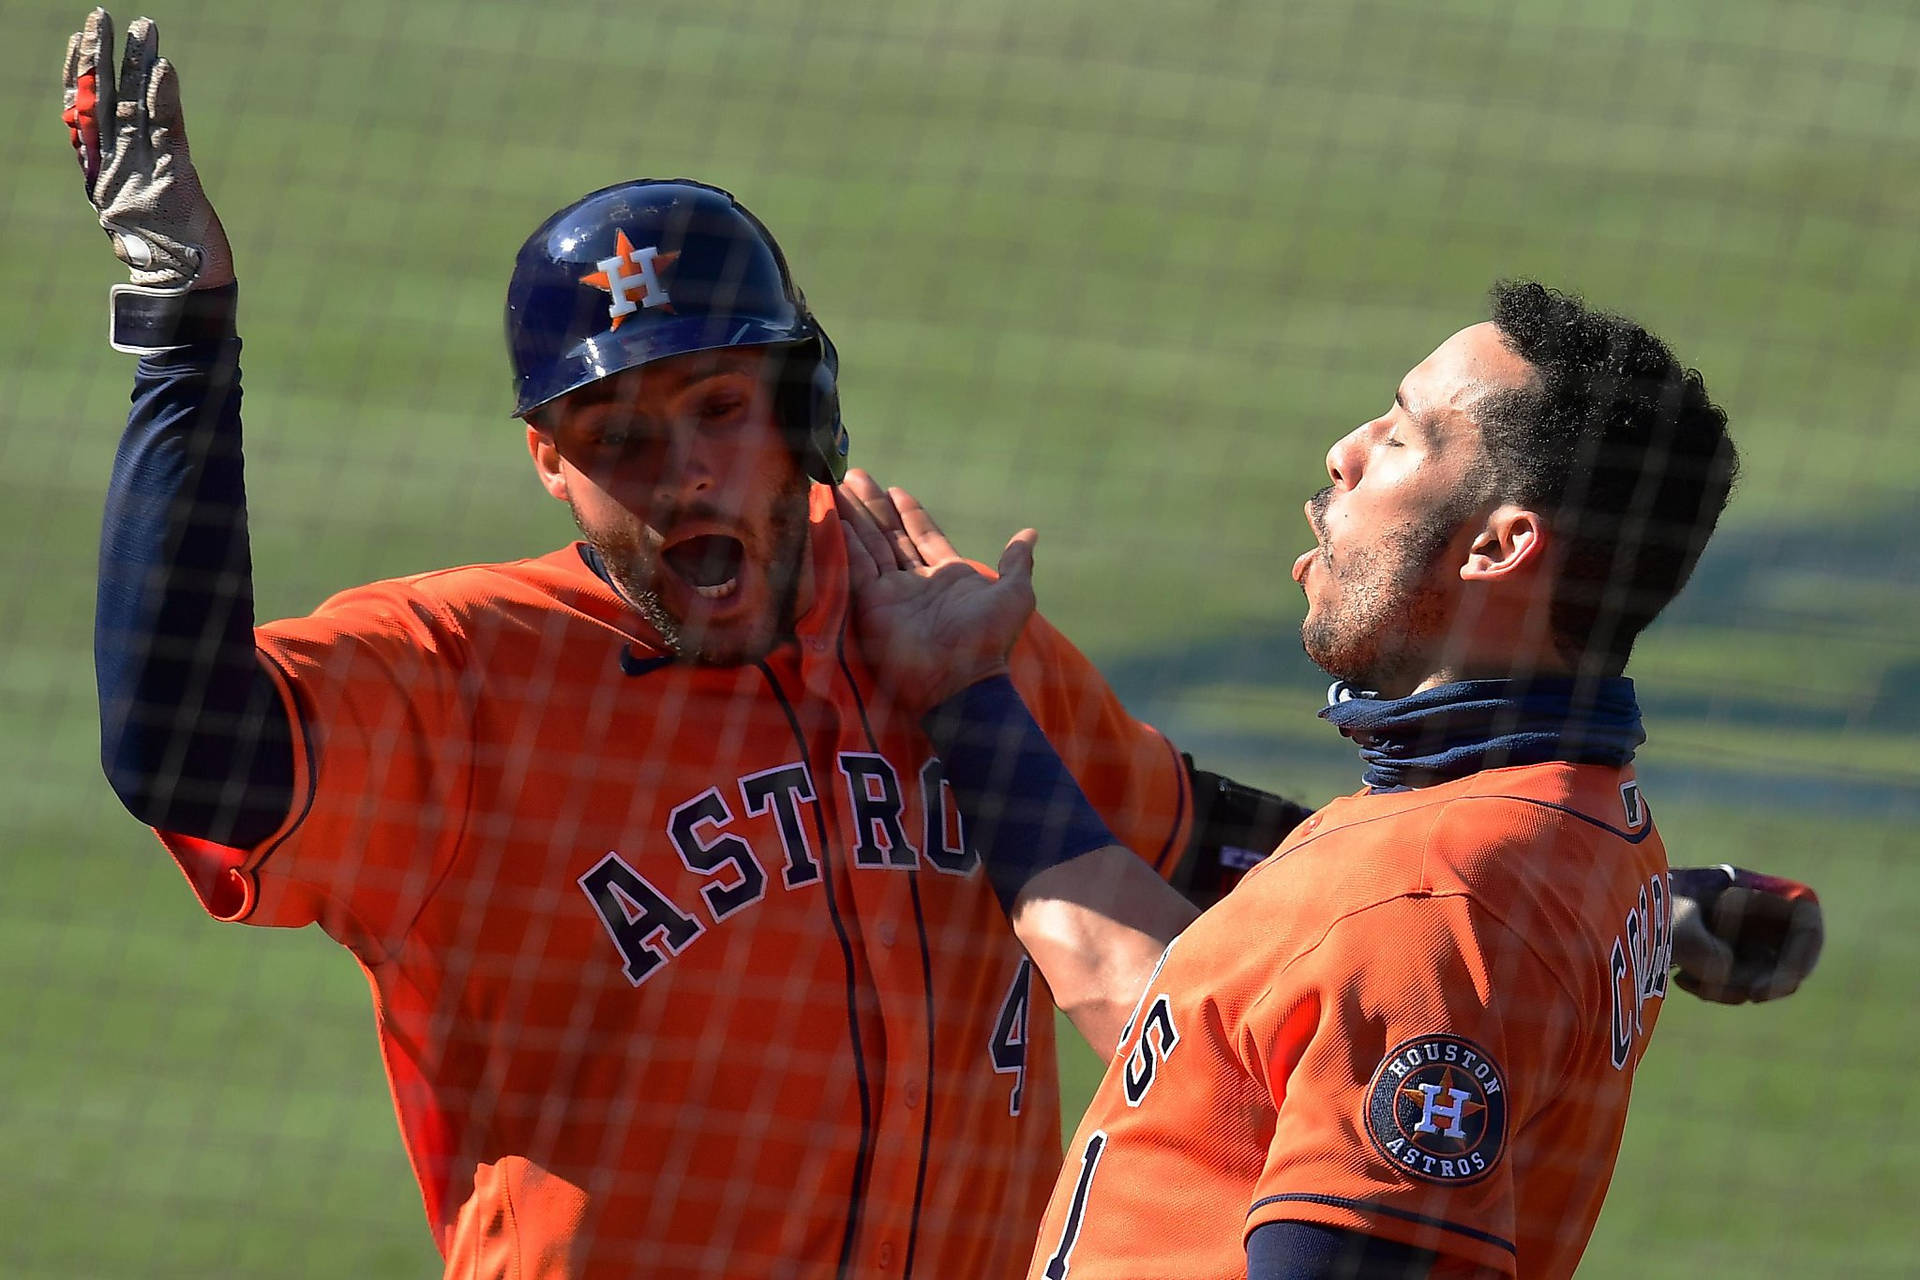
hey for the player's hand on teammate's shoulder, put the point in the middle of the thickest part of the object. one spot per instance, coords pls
(130, 138)
(1742, 936)
(929, 622)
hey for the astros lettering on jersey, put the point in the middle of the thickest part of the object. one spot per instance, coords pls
(676, 967)
(1418, 1020)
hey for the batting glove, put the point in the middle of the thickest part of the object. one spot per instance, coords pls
(1739, 935)
(131, 141)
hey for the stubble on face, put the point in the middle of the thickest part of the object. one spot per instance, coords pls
(632, 561)
(1382, 618)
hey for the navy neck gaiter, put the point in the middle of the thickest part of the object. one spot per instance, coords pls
(1453, 730)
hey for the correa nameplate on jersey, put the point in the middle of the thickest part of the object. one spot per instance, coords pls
(1639, 962)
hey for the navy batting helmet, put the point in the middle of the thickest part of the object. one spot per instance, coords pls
(649, 269)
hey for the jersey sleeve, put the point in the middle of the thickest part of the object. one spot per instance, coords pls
(1130, 772)
(383, 754)
(1403, 1052)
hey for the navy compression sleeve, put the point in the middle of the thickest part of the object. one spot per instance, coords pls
(1308, 1251)
(193, 735)
(1024, 812)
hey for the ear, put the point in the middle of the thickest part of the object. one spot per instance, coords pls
(546, 462)
(1512, 543)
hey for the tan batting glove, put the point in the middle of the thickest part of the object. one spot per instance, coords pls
(131, 141)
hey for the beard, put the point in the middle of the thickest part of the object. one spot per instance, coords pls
(1384, 622)
(778, 553)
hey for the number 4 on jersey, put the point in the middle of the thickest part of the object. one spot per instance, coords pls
(1009, 1043)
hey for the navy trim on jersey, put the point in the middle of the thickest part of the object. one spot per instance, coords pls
(1631, 837)
(1385, 1210)
(632, 664)
(856, 1197)
(313, 774)
(926, 1117)
(595, 565)
(926, 974)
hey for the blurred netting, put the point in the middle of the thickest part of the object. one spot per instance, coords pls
(1118, 270)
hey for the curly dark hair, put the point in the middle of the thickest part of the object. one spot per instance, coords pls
(1618, 445)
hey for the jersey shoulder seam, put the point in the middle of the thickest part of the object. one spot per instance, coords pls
(391, 946)
(1493, 913)
(425, 584)
(1319, 939)
(305, 803)
(1423, 892)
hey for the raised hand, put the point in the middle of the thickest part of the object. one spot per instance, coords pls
(131, 141)
(930, 623)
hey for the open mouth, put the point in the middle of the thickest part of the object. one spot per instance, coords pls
(710, 563)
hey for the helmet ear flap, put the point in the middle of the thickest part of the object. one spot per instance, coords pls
(829, 433)
(810, 409)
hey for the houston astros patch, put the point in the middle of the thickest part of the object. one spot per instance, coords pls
(1437, 1107)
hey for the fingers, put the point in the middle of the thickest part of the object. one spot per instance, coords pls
(1706, 963)
(929, 543)
(868, 551)
(96, 51)
(1762, 946)
(1711, 993)
(136, 66)
(1799, 953)
(1775, 937)
(909, 529)
(163, 107)
(76, 109)
(72, 74)
(864, 489)
(879, 505)
(80, 100)
(1016, 562)
(1806, 934)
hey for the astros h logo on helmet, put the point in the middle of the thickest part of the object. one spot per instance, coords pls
(629, 270)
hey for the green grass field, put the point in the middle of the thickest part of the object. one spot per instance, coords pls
(1119, 270)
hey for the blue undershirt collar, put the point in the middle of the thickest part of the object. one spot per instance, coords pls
(1452, 730)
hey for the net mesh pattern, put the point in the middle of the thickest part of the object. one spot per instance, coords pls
(1122, 271)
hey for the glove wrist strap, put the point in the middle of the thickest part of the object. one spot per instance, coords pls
(145, 321)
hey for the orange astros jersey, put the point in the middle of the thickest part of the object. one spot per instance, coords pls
(678, 971)
(1419, 1019)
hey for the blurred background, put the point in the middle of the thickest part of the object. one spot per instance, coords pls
(1120, 270)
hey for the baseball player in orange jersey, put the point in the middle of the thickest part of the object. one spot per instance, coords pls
(1404, 1045)
(681, 962)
